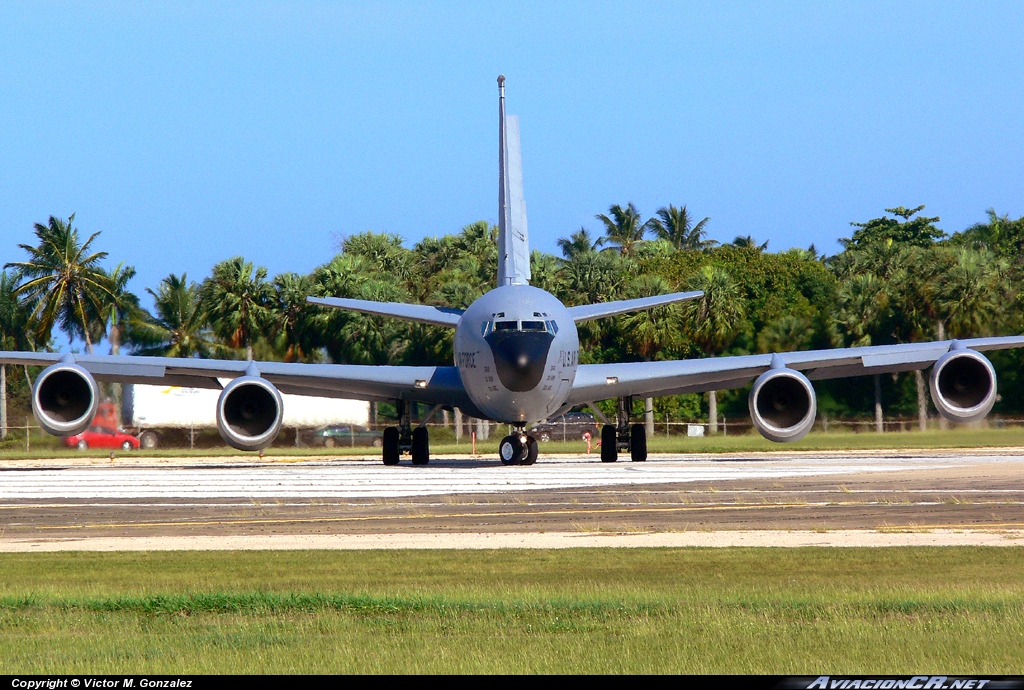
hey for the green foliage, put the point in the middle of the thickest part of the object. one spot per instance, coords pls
(918, 232)
(899, 279)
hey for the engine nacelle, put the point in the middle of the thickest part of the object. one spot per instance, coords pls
(64, 399)
(963, 385)
(249, 413)
(782, 405)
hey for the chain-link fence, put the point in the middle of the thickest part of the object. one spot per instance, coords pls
(28, 436)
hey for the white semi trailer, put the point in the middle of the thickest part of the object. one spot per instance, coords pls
(156, 413)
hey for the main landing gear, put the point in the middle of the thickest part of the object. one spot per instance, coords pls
(518, 449)
(623, 436)
(404, 439)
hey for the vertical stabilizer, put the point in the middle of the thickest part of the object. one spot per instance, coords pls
(513, 240)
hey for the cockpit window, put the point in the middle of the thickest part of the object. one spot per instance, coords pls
(505, 325)
(533, 326)
(552, 327)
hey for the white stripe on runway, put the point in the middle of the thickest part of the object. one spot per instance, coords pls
(359, 480)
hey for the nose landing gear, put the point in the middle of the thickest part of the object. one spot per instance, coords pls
(518, 449)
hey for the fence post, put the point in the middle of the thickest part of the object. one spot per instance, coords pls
(28, 433)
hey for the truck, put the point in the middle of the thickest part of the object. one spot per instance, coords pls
(160, 414)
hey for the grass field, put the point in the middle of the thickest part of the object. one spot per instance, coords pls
(789, 611)
(747, 442)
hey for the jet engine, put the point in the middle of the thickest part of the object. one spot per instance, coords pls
(963, 385)
(249, 413)
(782, 405)
(64, 399)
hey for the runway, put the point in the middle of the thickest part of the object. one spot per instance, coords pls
(349, 479)
(344, 503)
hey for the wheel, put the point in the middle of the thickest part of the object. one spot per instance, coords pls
(329, 443)
(420, 446)
(609, 450)
(510, 450)
(544, 437)
(390, 441)
(83, 444)
(638, 443)
(377, 443)
(149, 440)
(127, 445)
(532, 451)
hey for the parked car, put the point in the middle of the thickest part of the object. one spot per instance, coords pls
(347, 435)
(567, 427)
(102, 437)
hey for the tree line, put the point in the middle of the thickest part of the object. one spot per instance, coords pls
(899, 278)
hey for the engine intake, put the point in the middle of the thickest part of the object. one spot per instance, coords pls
(64, 399)
(249, 413)
(963, 385)
(782, 405)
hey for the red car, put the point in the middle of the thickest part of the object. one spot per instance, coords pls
(100, 437)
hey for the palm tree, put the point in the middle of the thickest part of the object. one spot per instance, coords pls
(119, 306)
(179, 328)
(623, 228)
(863, 307)
(63, 281)
(748, 242)
(238, 299)
(297, 333)
(675, 226)
(713, 319)
(14, 334)
(649, 332)
(579, 242)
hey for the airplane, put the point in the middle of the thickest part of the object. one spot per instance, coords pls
(516, 362)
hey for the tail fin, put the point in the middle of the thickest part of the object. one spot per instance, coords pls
(513, 240)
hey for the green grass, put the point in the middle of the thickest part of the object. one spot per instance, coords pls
(747, 442)
(789, 611)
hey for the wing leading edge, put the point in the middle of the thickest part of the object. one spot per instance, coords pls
(603, 381)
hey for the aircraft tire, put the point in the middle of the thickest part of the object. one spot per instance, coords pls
(638, 443)
(420, 446)
(532, 451)
(510, 451)
(609, 450)
(391, 453)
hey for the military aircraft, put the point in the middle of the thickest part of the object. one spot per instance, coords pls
(516, 362)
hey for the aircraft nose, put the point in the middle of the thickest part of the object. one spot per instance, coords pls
(520, 358)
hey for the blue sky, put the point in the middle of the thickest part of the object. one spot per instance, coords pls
(191, 132)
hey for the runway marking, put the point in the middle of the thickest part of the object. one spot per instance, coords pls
(363, 481)
(437, 516)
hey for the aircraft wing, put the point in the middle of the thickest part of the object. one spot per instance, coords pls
(602, 381)
(588, 312)
(421, 313)
(430, 385)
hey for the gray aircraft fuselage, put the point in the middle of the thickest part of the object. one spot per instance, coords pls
(517, 350)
